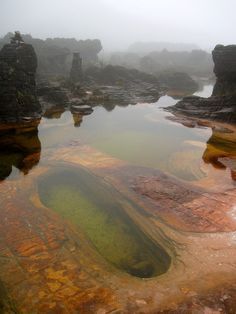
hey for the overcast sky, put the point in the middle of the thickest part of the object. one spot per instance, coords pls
(118, 23)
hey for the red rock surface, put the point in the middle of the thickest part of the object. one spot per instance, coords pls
(48, 266)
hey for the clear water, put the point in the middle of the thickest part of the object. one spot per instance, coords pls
(139, 134)
(94, 207)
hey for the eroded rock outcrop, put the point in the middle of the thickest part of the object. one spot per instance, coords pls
(55, 54)
(224, 58)
(178, 81)
(123, 86)
(76, 73)
(18, 63)
(221, 106)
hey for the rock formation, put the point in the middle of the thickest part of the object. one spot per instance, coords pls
(76, 73)
(221, 106)
(55, 54)
(178, 81)
(224, 58)
(122, 86)
(18, 63)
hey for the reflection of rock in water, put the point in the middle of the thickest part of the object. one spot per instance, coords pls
(19, 147)
(221, 150)
(78, 118)
(54, 112)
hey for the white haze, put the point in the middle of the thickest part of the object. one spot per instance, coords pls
(119, 23)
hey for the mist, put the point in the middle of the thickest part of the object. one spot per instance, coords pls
(120, 23)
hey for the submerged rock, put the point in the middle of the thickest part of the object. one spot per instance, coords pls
(221, 106)
(18, 63)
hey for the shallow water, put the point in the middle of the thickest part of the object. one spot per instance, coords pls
(139, 134)
(87, 202)
(73, 225)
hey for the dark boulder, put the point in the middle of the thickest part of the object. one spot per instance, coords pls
(178, 81)
(18, 63)
(118, 75)
(224, 58)
(123, 86)
(50, 94)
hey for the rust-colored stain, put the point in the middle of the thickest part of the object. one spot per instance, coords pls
(187, 209)
(48, 266)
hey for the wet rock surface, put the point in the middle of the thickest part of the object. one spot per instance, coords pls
(126, 86)
(18, 63)
(222, 301)
(50, 266)
(181, 206)
(52, 94)
(213, 108)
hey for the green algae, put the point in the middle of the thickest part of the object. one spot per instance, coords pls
(92, 205)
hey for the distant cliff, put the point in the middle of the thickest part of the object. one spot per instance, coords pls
(55, 54)
(18, 63)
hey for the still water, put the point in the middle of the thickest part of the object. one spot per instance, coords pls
(70, 227)
(86, 201)
(139, 134)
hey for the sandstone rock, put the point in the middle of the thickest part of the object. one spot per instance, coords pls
(18, 63)
(76, 73)
(123, 86)
(224, 58)
(54, 95)
(221, 106)
(178, 81)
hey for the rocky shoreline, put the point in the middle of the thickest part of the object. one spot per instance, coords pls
(221, 106)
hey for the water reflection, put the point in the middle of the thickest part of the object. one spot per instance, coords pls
(221, 150)
(54, 112)
(20, 147)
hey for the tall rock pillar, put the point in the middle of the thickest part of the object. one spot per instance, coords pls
(18, 63)
(76, 73)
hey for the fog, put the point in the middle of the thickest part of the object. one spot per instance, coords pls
(119, 23)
